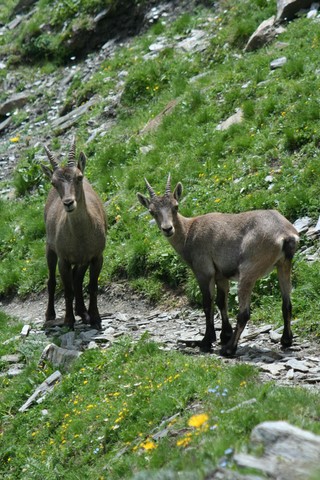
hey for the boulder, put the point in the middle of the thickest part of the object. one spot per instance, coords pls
(23, 6)
(234, 119)
(264, 34)
(290, 453)
(288, 9)
(16, 101)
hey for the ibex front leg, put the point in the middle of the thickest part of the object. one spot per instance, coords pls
(95, 269)
(207, 287)
(78, 276)
(244, 294)
(65, 270)
(52, 265)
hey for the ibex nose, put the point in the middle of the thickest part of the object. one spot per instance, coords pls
(168, 231)
(69, 204)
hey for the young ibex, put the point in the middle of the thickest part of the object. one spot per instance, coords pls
(220, 247)
(76, 234)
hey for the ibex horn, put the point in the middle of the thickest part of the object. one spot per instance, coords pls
(168, 186)
(150, 189)
(53, 161)
(72, 154)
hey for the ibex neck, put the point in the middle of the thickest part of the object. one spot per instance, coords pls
(179, 239)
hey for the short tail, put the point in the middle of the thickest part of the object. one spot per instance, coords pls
(289, 247)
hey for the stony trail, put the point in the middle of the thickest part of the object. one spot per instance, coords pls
(125, 313)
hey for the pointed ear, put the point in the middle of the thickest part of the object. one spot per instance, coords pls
(178, 191)
(47, 171)
(82, 162)
(145, 202)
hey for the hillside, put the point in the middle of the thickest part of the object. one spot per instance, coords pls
(150, 88)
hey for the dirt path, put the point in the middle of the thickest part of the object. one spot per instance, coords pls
(125, 313)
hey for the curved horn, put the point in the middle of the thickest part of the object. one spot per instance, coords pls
(168, 186)
(150, 189)
(51, 157)
(72, 154)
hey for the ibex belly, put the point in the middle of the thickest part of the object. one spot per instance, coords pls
(81, 249)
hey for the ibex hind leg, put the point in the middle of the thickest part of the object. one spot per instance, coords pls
(52, 260)
(95, 269)
(207, 288)
(284, 276)
(222, 304)
(79, 272)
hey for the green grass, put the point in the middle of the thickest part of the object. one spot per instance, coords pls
(115, 402)
(220, 170)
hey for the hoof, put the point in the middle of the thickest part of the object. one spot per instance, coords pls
(85, 317)
(225, 338)
(205, 347)
(70, 326)
(228, 350)
(96, 325)
(286, 342)
(69, 323)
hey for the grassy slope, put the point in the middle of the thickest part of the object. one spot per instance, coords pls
(280, 137)
(102, 421)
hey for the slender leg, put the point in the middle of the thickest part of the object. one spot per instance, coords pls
(207, 287)
(284, 276)
(78, 276)
(244, 294)
(65, 270)
(95, 269)
(222, 303)
(52, 265)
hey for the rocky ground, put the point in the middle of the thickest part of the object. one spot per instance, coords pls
(125, 313)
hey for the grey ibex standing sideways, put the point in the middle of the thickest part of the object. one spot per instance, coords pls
(76, 234)
(220, 247)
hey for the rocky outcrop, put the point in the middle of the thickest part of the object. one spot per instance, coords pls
(286, 10)
(17, 100)
(23, 6)
(265, 33)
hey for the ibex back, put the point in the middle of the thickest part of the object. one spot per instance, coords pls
(76, 234)
(222, 247)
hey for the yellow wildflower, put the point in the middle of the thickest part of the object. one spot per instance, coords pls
(197, 421)
(148, 445)
(184, 441)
